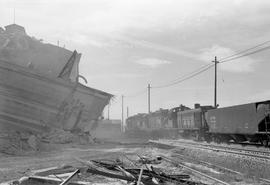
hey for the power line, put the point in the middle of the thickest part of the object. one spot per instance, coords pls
(246, 54)
(137, 93)
(208, 66)
(114, 100)
(117, 98)
(243, 51)
(186, 76)
(198, 69)
(205, 68)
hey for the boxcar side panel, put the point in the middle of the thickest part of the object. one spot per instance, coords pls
(240, 119)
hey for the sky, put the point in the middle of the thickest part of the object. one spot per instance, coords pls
(128, 44)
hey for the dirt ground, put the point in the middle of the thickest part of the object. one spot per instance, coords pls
(15, 167)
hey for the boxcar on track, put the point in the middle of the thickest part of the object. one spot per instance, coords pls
(247, 122)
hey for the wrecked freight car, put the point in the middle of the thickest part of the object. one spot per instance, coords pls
(40, 88)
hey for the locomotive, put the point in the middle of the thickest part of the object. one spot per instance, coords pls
(246, 123)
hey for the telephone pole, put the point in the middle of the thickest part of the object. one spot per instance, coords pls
(14, 16)
(149, 99)
(109, 110)
(127, 112)
(215, 93)
(122, 123)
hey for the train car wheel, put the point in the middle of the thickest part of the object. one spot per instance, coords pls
(217, 140)
(207, 138)
(265, 143)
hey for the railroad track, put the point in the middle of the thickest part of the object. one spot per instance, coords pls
(265, 153)
(179, 164)
(237, 151)
(211, 165)
(262, 155)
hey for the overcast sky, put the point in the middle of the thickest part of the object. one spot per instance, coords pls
(127, 44)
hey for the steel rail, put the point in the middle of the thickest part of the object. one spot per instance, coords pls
(267, 153)
(193, 170)
(209, 164)
(217, 166)
(230, 150)
(237, 151)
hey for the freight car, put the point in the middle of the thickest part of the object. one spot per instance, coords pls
(240, 123)
(248, 123)
(137, 122)
(154, 125)
(153, 121)
(137, 126)
(159, 120)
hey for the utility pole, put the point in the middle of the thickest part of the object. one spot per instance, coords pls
(127, 112)
(149, 99)
(122, 123)
(109, 110)
(215, 93)
(14, 16)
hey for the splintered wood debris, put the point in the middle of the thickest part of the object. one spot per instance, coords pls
(138, 172)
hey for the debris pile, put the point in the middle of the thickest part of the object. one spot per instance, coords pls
(17, 143)
(59, 136)
(140, 173)
(14, 143)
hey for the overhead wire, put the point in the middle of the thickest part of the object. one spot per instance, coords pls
(246, 54)
(114, 100)
(117, 98)
(204, 68)
(243, 51)
(136, 94)
(186, 76)
(198, 69)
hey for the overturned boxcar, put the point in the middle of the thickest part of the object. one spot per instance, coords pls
(40, 88)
